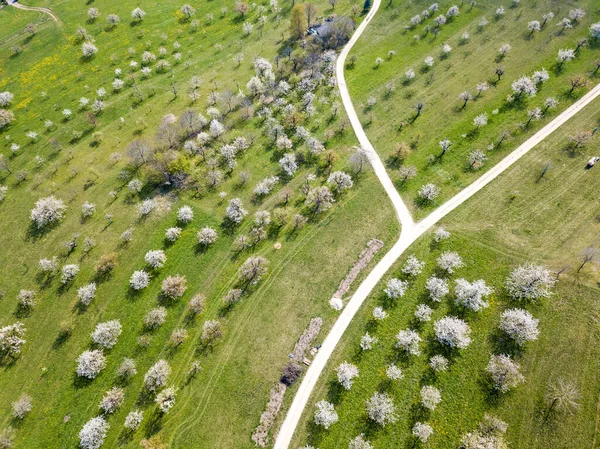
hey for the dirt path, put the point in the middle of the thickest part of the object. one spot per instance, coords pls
(48, 11)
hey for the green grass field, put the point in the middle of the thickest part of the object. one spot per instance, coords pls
(518, 218)
(472, 61)
(222, 406)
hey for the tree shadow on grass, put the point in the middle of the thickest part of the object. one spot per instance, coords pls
(335, 392)
(153, 424)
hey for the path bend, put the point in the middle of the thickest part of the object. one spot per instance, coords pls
(41, 9)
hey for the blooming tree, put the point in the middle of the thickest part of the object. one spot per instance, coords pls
(530, 282)
(422, 431)
(346, 373)
(157, 376)
(452, 332)
(90, 363)
(139, 280)
(504, 373)
(471, 295)
(413, 266)
(134, 419)
(449, 261)
(107, 334)
(395, 288)
(11, 339)
(155, 258)
(112, 400)
(393, 372)
(430, 397)
(93, 433)
(367, 341)
(325, 415)
(235, 212)
(47, 211)
(185, 214)
(166, 399)
(381, 409)
(519, 325)
(408, 340)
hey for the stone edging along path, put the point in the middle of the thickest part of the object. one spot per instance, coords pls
(410, 231)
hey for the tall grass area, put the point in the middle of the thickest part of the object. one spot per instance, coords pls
(222, 405)
(520, 217)
(471, 61)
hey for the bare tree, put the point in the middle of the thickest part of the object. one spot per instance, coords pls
(590, 254)
(562, 396)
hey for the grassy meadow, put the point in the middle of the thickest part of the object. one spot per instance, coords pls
(520, 217)
(72, 160)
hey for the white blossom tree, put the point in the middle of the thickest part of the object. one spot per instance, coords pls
(47, 211)
(524, 85)
(138, 14)
(325, 415)
(430, 397)
(112, 400)
(439, 363)
(288, 164)
(393, 372)
(379, 314)
(449, 261)
(413, 266)
(172, 234)
(139, 280)
(107, 334)
(6, 98)
(565, 55)
(489, 435)
(90, 363)
(422, 431)
(367, 341)
(319, 199)
(504, 372)
(155, 317)
(423, 312)
(93, 433)
(157, 376)
(127, 368)
(346, 373)
(69, 272)
(395, 288)
(340, 181)
(11, 339)
(207, 236)
(428, 192)
(253, 269)
(471, 295)
(166, 399)
(21, 406)
(185, 214)
(235, 211)
(134, 419)
(381, 409)
(88, 49)
(155, 258)
(452, 332)
(408, 340)
(519, 325)
(360, 442)
(174, 287)
(530, 282)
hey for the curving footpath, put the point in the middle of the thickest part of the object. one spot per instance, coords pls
(48, 11)
(410, 232)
